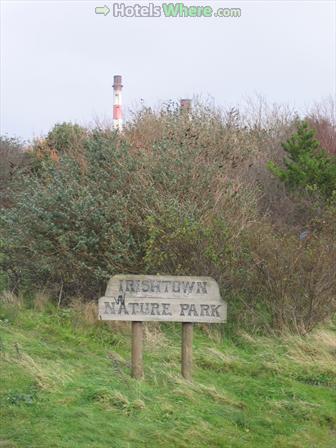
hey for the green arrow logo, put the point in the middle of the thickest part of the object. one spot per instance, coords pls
(102, 10)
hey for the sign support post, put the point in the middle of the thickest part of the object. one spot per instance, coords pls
(137, 350)
(187, 337)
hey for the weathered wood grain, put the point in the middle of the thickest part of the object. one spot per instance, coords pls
(137, 350)
(186, 358)
(162, 298)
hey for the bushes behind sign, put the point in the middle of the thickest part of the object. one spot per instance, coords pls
(181, 197)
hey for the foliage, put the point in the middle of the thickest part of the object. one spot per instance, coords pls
(13, 160)
(177, 194)
(74, 229)
(63, 137)
(293, 279)
(307, 164)
(322, 118)
(78, 225)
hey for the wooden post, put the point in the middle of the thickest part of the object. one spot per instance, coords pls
(137, 350)
(187, 336)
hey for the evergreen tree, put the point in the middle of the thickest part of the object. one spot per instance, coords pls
(306, 164)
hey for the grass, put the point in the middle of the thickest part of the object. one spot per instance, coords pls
(65, 382)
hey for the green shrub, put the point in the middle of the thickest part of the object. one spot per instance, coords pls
(181, 243)
(173, 195)
(64, 137)
(12, 161)
(70, 228)
(307, 165)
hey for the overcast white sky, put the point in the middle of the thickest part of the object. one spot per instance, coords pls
(58, 58)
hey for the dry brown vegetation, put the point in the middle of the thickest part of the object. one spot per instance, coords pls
(180, 194)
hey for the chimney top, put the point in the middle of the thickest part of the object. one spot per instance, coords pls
(117, 81)
(185, 104)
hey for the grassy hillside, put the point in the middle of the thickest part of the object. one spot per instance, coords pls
(65, 382)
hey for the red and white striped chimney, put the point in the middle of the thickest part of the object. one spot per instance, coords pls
(117, 105)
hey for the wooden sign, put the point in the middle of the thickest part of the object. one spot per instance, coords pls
(139, 298)
(162, 298)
